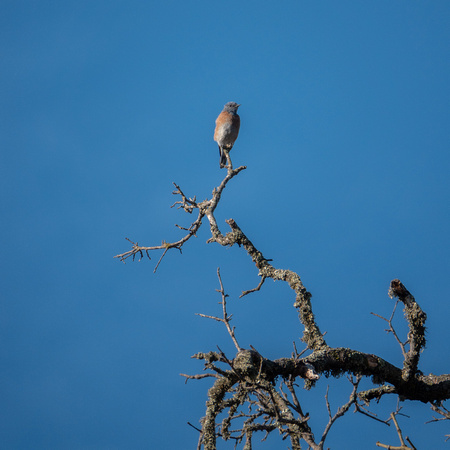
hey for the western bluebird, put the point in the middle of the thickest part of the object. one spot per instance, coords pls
(227, 130)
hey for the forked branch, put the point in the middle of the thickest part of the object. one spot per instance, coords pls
(249, 379)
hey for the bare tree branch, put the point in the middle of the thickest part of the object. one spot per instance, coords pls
(342, 410)
(249, 379)
(439, 408)
(188, 205)
(257, 288)
(416, 320)
(392, 330)
(403, 445)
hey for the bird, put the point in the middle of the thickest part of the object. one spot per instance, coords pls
(227, 130)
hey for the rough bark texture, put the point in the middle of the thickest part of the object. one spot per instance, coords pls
(249, 379)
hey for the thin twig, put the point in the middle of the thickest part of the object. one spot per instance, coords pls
(199, 377)
(403, 445)
(160, 259)
(199, 444)
(257, 288)
(391, 328)
(360, 409)
(226, 318)
(342, 410)
(296, 354)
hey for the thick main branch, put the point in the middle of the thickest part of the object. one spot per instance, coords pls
(311, 335)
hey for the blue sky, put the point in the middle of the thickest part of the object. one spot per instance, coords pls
(345, 132)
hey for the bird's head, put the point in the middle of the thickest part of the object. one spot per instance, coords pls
(231, 107)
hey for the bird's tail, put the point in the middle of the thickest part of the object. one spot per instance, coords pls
(223, 158)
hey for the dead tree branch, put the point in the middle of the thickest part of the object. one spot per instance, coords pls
(392, 329)
(439, 408)
(342, 410)
(416, 320)
(187, 205)
(249, 379)
(403, 445)
(226, 318)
